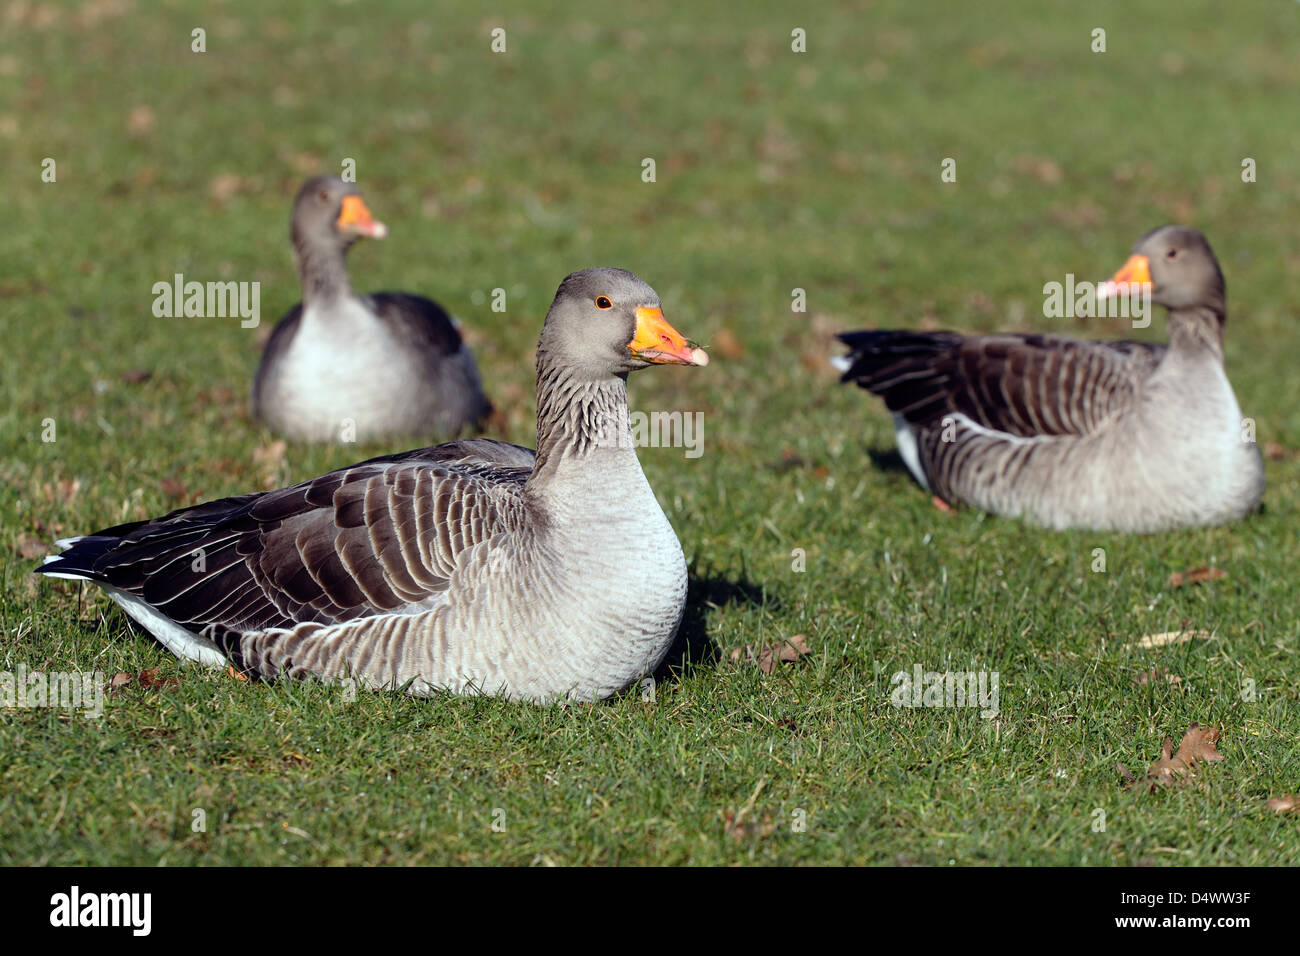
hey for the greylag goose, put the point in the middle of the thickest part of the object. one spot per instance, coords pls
(470, 567)
(345, 367)
(1125, 435)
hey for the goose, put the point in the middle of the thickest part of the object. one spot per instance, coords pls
(472, 567)
(346, 367)
(1105, 435)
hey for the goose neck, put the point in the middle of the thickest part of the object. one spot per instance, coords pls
(580, 423)
(1197, 330)
(322, 272)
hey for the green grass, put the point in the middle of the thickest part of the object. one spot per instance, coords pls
(775, 171)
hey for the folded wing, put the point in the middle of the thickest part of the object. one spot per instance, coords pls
(1023, 385)
(372, 538)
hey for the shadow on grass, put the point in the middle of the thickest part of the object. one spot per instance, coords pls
(693, 647)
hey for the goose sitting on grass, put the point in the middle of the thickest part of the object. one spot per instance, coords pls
(1125, 436)
(346, 367)
(470, 567)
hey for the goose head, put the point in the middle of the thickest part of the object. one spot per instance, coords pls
(331, 213)
(605, 323)
(1180, 267)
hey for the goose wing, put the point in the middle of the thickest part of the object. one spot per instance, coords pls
(367, 539)
(421, 323)
(1024, 385)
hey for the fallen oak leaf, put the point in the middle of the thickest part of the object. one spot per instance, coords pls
(173, 488)
(150, 680)
(1196, 576)
(789, 459)
(65, 489)
(1155, 674)
(270, 459)
(30, 548)
(736, 827)
(726, 344)
(1288, 803)
(1197, 746)
(221, 395)
(768, 656)
(1152, 641)
(1163, 771)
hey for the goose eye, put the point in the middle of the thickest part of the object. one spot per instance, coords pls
(1171, 254)
(602, 302)
(324, 195)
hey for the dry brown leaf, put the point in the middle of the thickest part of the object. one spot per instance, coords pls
(120, 679)
(815, 362)
(726, 344)
(1152, 641)
(221, 396)
(1157, 674)
(140, 121)
(1288, 803)
(1039, 167)
(150, 680)
(269, 460)
(1275, 451)
(1197, 746)
(304, 163)
(768, 656)
(271, 455)
(738, 828)
(172, 488)
(30, 548)
(224, 186)
(63, 489)
(789, 459)
(1196, 576)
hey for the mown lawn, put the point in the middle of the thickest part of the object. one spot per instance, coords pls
(774, 171)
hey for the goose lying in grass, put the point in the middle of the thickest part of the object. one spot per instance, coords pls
(1126, 436)
(475, 566)
(344, 367)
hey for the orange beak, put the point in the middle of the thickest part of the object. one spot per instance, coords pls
(355, 217)
(1137, 271)
(659, 343)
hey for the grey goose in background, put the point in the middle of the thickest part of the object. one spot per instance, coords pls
(344, 367)
(471, 567)
(1125, 436)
